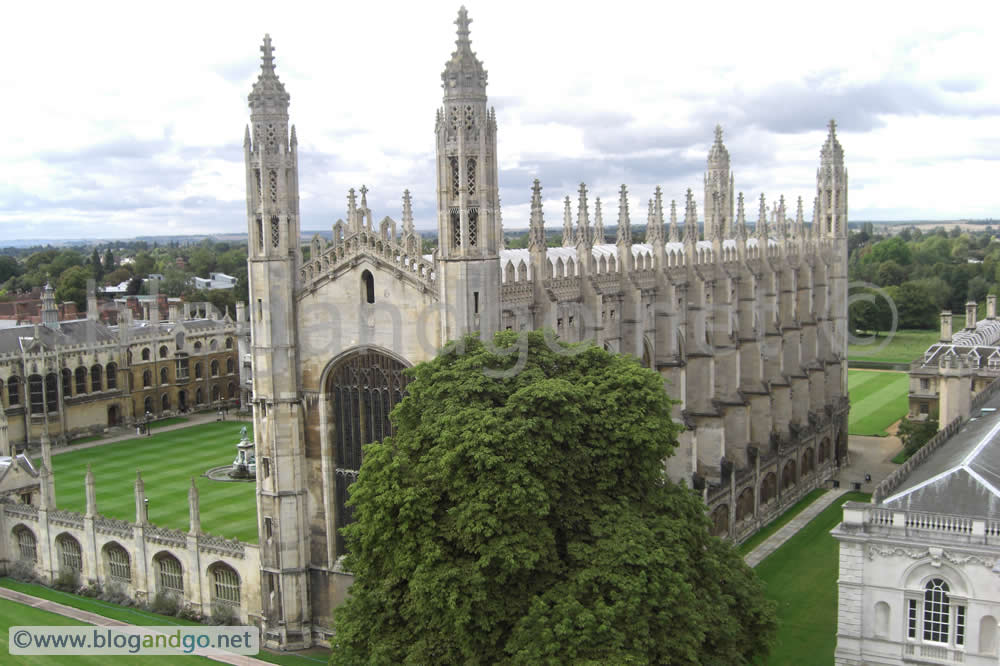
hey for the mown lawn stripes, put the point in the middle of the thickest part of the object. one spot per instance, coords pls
(167, 460)
(878, 399)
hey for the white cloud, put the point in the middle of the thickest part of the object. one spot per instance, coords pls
(120, 120)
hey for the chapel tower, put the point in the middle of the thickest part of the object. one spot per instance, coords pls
(271, 156)
(469, 231)
(719, 199)
(830, 225)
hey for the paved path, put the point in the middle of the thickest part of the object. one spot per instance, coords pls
(757, 555)
(94, 618)
(128, 433)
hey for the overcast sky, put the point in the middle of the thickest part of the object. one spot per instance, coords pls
(127, 119)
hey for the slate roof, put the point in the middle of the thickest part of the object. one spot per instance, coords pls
(984, 339)
(963, 475)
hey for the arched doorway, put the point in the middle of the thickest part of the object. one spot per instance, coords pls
(362, 389)
(114, 416)
(182, 403)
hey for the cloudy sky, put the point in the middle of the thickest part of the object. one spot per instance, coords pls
(127, 119)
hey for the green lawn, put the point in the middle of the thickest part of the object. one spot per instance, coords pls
(904, 346)
(132, 616)
(780, 522)
(168, 460)
(801, 577)
(13, 614)
(878, 399)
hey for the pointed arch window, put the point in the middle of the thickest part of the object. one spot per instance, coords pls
(260, 234)
(470, 176)
(14, 391)
(368, 287)
(272, 185)
(473, 227)
(362, 389)
(456, 178)
(456, 229)
(275, 231)
(52, 392)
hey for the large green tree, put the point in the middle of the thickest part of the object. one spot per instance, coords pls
(521, 515)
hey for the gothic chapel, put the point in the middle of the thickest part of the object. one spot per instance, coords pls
(747, 325)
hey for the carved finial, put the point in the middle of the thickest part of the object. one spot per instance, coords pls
(295, 139)
(741, 219)
(567, 239)
(690, 219)
(624, 223)
(91, 492)
(800, 221)
(718, 133)
(761, 229)
(267, 57)
(407, 211)
(832, 125)
(536, 232)
(654, 221)
(364, 197)
(463, 22)
(782, 221)
(675, 234)
(246, 137)
(598, 222)
(463, 73)
(583, 218)
(194, 508)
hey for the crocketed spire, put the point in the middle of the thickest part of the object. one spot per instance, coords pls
(741, 219)
(718, 156)
(690, 219)
(675, 233)
(761, 229)
(624, 223)
(832, 154)
(567, 239)
(598, 222)
(463, 74)
(536, 231)
(268, 94)
(583, 219)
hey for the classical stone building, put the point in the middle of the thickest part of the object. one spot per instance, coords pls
(918, 580)
(747, 326)
(206, 574)
(75, 377)
(956, 367)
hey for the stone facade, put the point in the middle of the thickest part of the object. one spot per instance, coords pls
(747, 326)
(66, 379)
(137, 558)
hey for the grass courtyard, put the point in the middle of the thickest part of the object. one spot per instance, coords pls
(904, 346)
(801, 577)
(167, 460)
(13, 614)
(878, 399)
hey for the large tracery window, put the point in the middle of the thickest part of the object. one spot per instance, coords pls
(363, 390)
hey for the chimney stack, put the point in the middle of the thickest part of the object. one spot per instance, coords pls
(946, 326)
(991, 306)
(970, 316)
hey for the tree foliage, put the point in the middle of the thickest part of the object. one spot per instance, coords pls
(527, 519)
(914, 434)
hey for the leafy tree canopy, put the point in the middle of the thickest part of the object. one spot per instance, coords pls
(527, 519)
